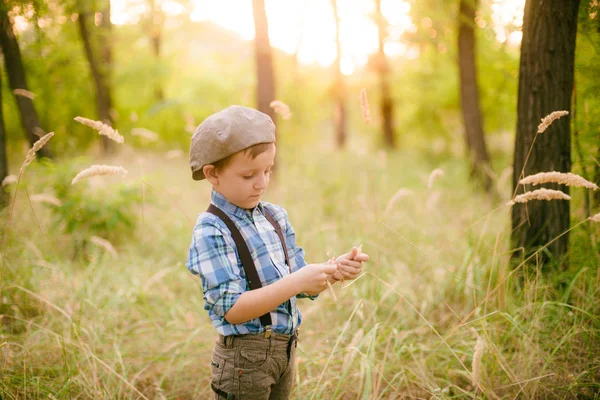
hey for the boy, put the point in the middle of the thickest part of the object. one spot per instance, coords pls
(245, 252)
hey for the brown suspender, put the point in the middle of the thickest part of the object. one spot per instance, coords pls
(244, 252)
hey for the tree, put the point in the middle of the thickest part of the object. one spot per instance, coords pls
(387, 106)
(3, 156)
(97, 47)
(17, 80)
(545, 85)
(339, 88)
(153, 24)
(469, 94)
(265, 90)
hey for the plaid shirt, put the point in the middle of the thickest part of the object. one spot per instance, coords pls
(213, 256)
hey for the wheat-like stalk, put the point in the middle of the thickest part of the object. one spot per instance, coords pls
(595, 218)
(281, 108)
(145, 133)
(36, 146)
(364, 106)
(102, 129)
(9, 180)
(173, 154)
(24, 93)
(549, 119)
(99, 170)
(477, 357)
(540, 194)
(564, 178)
(105, 244)
(329, 287)
(397, 196)
(436, 173)
(45, 198)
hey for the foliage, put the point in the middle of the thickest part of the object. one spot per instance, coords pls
(92, 207)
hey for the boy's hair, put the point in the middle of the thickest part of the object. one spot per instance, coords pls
(252, 151)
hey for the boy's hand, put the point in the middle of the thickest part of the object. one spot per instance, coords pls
(350, 264)
(312, 278)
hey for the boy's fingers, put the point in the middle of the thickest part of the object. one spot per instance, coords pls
(351, 263)
(362, 257)
(329, 268)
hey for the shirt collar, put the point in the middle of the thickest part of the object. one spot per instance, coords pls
(220, 201)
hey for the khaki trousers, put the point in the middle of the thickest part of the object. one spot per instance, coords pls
(253, 367)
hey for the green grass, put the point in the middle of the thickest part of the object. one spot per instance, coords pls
(97, 327)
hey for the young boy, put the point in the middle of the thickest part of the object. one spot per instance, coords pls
(245, 252)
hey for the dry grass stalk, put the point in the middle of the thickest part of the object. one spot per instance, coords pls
(540, 194)
(564, 178)
(190, 124)
(105, 244)
(364, 106)
(436, 173)
(397, 196)
(9, 180)
(477, 357)
(595, 218)
(352, 347)
(145, 133)
(99, 170)
(102, 129)
(24, 93)
(329, 287)
(36, 146)
(45, 198)
(281, 108)
(173, 154)
(549, 119)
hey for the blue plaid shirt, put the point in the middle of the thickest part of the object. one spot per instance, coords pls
(213, 256)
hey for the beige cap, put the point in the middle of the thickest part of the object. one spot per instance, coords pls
(225, 133)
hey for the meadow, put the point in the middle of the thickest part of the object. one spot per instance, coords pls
(440, 311)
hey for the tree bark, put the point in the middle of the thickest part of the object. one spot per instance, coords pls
(99, 55)
(265, 89)
(339, 85)
(469, 94)
(387, 106)
(156, 24)
(17, 80)
(546, 75)
(3, 156)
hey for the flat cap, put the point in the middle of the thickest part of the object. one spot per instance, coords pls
(225, 133)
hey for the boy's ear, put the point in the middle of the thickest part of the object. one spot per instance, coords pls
(210, 172)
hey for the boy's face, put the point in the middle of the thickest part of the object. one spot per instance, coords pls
(244, 179)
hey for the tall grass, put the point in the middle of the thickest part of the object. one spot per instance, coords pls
(134, 327)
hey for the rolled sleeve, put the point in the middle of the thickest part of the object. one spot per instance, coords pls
(213, 257)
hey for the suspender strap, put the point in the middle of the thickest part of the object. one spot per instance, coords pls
(244, 253)
(280, 234)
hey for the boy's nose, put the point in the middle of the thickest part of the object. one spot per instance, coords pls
(262, 182)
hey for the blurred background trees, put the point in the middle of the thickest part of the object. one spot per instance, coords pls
(164, 65)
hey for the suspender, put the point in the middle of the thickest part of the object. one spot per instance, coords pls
(244, 252)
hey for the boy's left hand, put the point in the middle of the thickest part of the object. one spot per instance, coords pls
(350, 264)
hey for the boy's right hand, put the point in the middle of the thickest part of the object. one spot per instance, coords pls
(312, 278)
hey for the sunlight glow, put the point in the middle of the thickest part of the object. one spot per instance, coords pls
(307, 27)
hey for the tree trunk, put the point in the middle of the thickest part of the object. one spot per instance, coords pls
(156, 24)
(545, 85)
(387, 106)
(17, 80)
(469, 94)
(3, 156)
(98, 52)
(339, 89)
(265, 89)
